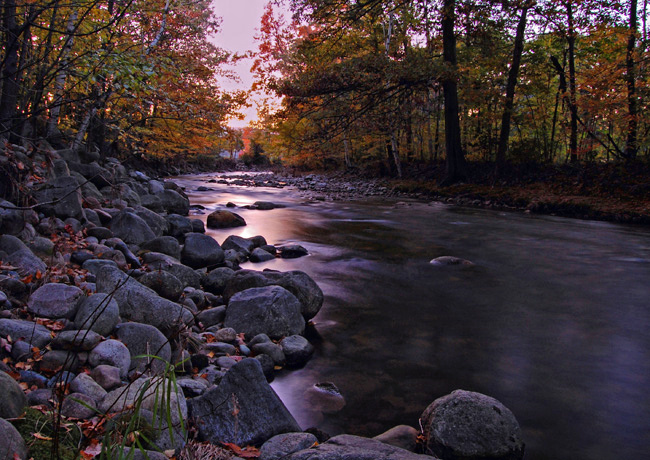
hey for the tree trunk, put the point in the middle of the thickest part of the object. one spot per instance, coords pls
(630, 77)
(61, 76)
(455, 163)
(10, 89)
(510, 91)
(573, 138)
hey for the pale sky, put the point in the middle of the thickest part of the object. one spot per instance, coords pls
(240, 23)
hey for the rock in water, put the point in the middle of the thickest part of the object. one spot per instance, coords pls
(471, 426)
(243, 409)
(225, 219)
(270, 310)
(450, 261)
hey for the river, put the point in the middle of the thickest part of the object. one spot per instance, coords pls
(553, 320)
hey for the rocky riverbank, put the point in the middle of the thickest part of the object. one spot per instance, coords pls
(125, 328)
(557, 194)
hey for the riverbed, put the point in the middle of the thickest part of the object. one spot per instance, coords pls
(553, 319)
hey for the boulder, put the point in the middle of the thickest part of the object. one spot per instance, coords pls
(173, 202)
(13, 398)
(239, 244)
(36, 334)
(156, 222)
(55, 300)
(164, 244)
(297, 350)
(131, 228)
(212, 316)
(26, 262)
(83, 340)
(402, 436)
(281, 445)
(84, 383)
(106, 376)
(303, 287)
(112, 353)
(201, 251)
(217, 279)
(139, 303)
(270, 310)
(79, 406)
(292, 251)
(146, 344)
(99, 313)
(243, 409)
(178, 226)
(60, 197)
(12, 445)
(348, 447)
(260, 255)
(12, 221)
(225, 219)
(267, 205)
(186, 275)
(164, 283)
(152, 202)
(154, 394)
(471, 426)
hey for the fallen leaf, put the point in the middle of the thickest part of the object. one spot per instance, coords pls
(41, 437)
(93, 450)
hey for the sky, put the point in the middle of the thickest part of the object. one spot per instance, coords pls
(240, 23)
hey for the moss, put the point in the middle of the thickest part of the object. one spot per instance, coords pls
(35, 421)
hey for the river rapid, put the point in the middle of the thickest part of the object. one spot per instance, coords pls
(553, 320)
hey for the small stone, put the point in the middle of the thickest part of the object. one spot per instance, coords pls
(113, 353)
(292, 251)
(108, 377)
(79, 406)
(225, 219)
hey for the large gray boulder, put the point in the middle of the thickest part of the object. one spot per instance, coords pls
(26, 262)
(178, 226)
(201, 251)
(270, 310)
(217, 279)
(112, 353)
(303, 287)
(155, 221)
(139, 303)
(13, 398)
(471, 426)
(225, 219)
(348, 447)
(99, 313)
(173, 202)
(131, 228)
(12, 445)
(164, 283)
(36, 334)
(243, 409)
(148, 346)
(60, 197)
(297, 282)
(239, 244)
(55, 300)
(164, 244)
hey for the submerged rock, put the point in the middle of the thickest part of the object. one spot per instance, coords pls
(225, 219)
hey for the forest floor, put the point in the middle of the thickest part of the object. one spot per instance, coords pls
(618, 192)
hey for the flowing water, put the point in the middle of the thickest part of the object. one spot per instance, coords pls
(553, 320)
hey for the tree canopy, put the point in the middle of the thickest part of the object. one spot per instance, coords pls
(386, 83)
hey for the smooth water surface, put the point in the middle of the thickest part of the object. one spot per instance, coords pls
(554, 319)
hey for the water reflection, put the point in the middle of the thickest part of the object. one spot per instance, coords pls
(552, 321)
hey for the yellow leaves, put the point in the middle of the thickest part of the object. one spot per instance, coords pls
(42, 437)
